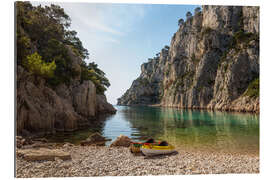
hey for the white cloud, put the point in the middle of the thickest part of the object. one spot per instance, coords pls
(101, 27)
(93, 17)
(105, 22)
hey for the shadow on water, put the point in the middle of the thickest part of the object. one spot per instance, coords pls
(77, 136)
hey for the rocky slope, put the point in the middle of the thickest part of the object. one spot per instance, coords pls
(212, 62)
(42, 109)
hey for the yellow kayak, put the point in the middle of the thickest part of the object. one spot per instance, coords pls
(150, 149)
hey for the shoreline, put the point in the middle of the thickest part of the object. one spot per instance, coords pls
(118, 161)
(228, 110)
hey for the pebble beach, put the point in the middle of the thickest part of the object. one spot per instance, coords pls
(118, 161)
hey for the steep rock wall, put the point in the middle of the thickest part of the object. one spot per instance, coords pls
(212, 60)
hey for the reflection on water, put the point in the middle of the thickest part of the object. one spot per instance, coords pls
(204, 130)
(187, 128)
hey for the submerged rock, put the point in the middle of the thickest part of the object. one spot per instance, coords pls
(94, 139)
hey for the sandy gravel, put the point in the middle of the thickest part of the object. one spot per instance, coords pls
(105, 161)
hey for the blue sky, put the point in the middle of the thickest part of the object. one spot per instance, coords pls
(120, 37)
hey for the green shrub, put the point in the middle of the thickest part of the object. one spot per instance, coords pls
(23, 47)
(167, 72)
(211, 82)
(243, 37)
(200, 88)
(253, 89)
(206, 31)
(37, 66)
(97, 76)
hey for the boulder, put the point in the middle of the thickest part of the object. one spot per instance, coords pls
(122, 141)
(43, 154)
(94, 139)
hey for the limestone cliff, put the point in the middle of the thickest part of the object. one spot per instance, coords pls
(212, 62)
(57, 90)
(42, 109)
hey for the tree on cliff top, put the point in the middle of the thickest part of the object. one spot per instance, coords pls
(96, 75)
(197, 10)
(43, 38)
(188, 15)
(180, 22)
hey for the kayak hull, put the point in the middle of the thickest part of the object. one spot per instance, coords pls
(157, 150)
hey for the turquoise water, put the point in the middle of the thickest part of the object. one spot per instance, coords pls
(195, 129)
(186, 128)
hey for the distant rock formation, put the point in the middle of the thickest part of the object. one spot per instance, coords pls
(212, 63)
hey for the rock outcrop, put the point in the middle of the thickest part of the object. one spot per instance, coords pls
(103, 106)
(43, 154)
(121, 141)
(42, 109)
(212, 62)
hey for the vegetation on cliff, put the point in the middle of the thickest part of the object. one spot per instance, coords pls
(43, 38)
(253, 89)
(36, 65)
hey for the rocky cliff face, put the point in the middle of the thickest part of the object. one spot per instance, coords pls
(212, 62)
(41, 109)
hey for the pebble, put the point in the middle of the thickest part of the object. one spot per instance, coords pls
(118, 161)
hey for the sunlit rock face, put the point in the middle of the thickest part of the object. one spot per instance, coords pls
(212, 61)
